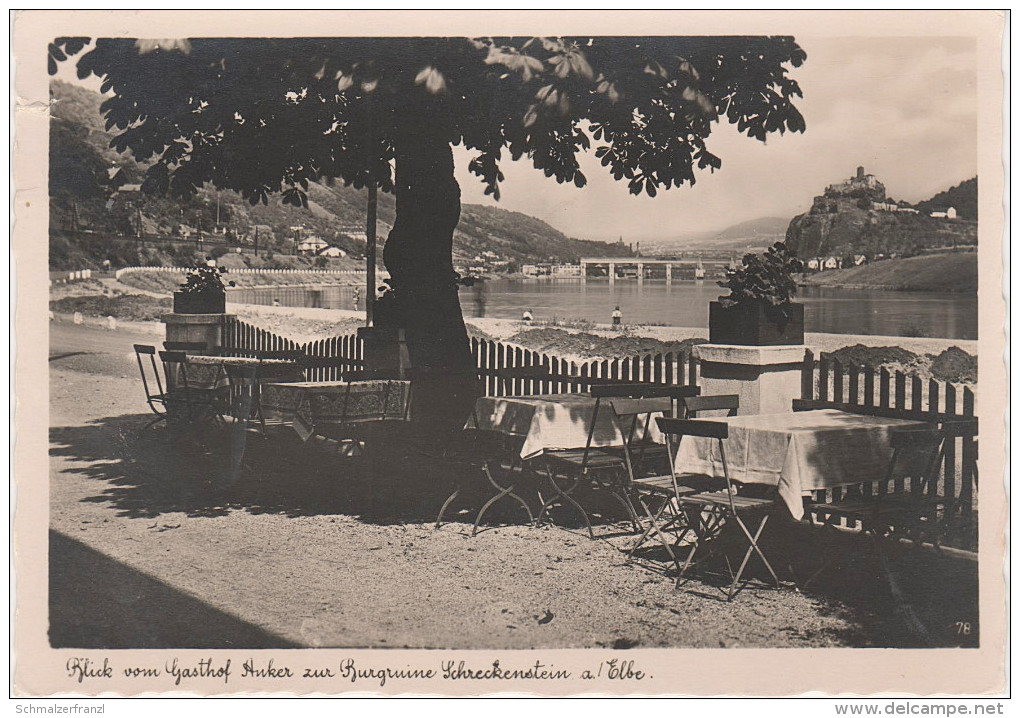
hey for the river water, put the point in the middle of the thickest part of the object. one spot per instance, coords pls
(681, 304)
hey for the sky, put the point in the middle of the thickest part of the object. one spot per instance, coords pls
(904, 108)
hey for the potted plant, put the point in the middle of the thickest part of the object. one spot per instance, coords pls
(203, 292)
(759, 310)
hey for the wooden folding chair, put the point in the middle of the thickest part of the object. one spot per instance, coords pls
(155, 399)
(190, 403)
(696, 405)
(916, 456)
(663, 489)
(614, 468)
(708, 512)
(913, 513)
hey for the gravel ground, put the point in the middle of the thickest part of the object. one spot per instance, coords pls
(162, 544)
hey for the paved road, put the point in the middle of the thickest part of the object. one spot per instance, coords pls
(98, 350)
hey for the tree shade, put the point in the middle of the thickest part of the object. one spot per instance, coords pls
(265, 116)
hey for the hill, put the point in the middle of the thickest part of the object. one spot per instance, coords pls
(856, 217)
(963, 197)
(948, 272)
(750, 234)
(94, 191)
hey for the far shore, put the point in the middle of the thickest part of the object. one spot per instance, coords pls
(275, 318)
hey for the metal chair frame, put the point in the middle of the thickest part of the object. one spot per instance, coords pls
(157, 401)
(664, 488)
(198, 404)
(611, 468)
(707, 512)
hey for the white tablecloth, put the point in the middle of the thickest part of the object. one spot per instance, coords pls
(798, 452)
(552, 421)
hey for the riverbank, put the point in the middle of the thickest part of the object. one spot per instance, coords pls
(939, 358)
(950, 272)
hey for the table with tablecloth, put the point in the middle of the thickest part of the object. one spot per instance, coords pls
(209, 372)
(307, 405)
(798, 452)
(552, 421)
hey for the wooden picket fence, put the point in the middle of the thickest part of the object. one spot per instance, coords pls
(899, 394)
(502, 370)
(508, 370)
(329, 359)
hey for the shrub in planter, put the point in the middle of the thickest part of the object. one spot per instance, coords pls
(759, 310)
(203, 292)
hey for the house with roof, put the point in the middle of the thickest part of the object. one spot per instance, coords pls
(311, 245)
(334, 252)
(947, 213)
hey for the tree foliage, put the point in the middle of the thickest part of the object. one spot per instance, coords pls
(271, 115)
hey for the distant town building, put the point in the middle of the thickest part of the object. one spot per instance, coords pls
(948, 213)
(860, 259)
(334, 252)
(354, 231)
(813, 265)
(311, 245)
(831, 263)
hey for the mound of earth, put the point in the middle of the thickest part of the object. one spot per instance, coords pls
(587, 345)
(955, 365)
(860, 355)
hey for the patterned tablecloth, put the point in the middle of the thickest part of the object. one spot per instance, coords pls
(551, 421)
(308, 404)
(209, 372)
(799, 452)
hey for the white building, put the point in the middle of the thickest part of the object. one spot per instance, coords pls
(831, 263)
(311, 245)
(949, 213)
(812, 264)
(566, 270)
(334, 252)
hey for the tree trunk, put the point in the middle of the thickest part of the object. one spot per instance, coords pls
(419, 256)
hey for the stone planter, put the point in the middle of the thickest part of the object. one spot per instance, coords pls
(205, 303)
(748, 325)
(386, 354)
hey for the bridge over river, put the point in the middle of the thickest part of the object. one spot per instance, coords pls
(642, 268)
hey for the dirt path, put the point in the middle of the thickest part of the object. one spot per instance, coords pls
(154, 545)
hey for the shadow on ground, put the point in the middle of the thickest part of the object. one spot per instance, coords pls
(97, 602)
(898, 597)
(142, 474)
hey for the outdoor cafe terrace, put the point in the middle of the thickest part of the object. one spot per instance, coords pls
(862, 494)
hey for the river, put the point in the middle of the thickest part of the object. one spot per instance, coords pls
(681, 304)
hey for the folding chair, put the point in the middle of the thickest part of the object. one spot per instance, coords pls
(708, 512)
(694, 406)
(663, 489)
(882, 514)
(186, 401)
(908, 514)
(156, 401)
(613, 468)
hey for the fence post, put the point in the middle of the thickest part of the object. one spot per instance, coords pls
(807, 376)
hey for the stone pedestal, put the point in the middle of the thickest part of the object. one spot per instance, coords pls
(386, 355)
(207, 328)
(767, 379)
